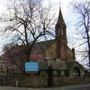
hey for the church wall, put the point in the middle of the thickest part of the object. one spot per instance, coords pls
(70, 56)
(51, 51)
(63, 52)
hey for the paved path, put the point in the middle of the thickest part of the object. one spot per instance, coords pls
(75, 87)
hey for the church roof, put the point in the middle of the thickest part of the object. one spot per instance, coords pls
(71, 64)
(39, 48)
(43, 45)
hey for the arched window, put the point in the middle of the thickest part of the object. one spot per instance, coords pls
(76, 71)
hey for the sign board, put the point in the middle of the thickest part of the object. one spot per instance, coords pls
(31, 66)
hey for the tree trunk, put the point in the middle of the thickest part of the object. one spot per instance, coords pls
(88, 43)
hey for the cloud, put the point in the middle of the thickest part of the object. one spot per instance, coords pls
(3, 4)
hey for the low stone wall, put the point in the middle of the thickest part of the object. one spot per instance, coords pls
(62, 81)
(34, 82)
(23, 81)
(41, 81)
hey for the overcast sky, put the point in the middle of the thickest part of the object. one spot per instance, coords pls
(66, 8)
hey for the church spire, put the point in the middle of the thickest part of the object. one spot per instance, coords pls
(61, 39)
(60, 19)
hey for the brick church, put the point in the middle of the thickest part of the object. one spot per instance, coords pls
(57, 53)
(51, 52)
(56, 48)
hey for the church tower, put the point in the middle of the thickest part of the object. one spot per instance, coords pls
(61, 38)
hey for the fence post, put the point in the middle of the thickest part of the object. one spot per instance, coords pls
(16, 83)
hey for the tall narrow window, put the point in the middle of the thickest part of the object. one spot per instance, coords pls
(58, 32)
(62, 32)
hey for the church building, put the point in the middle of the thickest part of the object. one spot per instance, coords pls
(57, 54)
(56, 48)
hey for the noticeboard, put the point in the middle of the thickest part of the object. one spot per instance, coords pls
(31, 66)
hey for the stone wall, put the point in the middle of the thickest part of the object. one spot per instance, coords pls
(63, 81)
(42, 81)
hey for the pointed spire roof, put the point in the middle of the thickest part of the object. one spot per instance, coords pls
(60, 18)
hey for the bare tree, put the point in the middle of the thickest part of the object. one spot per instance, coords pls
(83, 26)
(28, 21)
